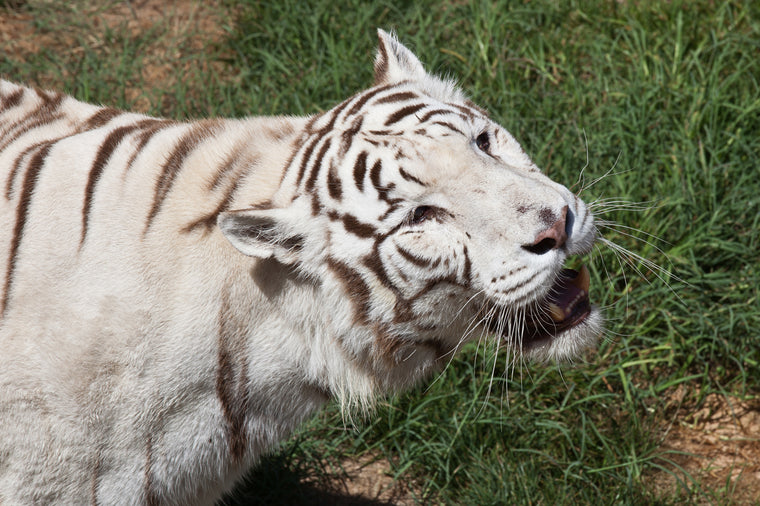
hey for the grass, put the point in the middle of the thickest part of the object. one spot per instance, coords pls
(663, 96)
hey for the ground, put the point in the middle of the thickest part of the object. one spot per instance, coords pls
(719, 442)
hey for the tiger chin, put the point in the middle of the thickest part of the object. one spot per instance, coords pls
(177, 297)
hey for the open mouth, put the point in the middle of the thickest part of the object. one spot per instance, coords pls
(566, 306)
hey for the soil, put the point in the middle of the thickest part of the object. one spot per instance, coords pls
(366, 481)
(718, 444)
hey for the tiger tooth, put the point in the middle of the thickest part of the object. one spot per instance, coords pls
(583, 280)
(555, 312)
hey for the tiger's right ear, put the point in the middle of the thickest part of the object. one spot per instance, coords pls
(264, 233)
(394, 62)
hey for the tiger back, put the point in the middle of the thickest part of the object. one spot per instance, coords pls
(176, 297)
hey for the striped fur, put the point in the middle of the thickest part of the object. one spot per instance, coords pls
(177, 297)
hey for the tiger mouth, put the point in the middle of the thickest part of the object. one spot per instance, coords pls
(567, 305)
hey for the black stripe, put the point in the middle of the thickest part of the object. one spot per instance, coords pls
(209, 221)
(334, 185)
(232, 385)
(364, 98)
(403, 113)
(334, 113)
(109, 145)
(225, 169)
(395, 205)
(397, 97)
(416, 260)
(152, 126)
(41, 94)
(173, 165)
(22, 214)
(382, 191)
(449, 126)
(316, 165)
(375, 264)
(27, 124)
(476, 107)
(438, 112)
(467, 274)
(356, 227)
(374, 175)
(305, 159)
(316, 204)
(360, 170)
(519, 285)
(381, 64)
(320, 134)
(17, 166)
(469, 112)
(12, 100)
(402, 308)
(355, 287)
(347, 137)
(410, 177)
(101, 117)
(310, 123)
(295, 145)
(45, 113)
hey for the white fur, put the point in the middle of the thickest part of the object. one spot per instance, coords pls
(113, 347)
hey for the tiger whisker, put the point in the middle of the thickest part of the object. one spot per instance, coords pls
(610, 172)
(629, 231)
(632, 258)
(582, 174)
(608, 205)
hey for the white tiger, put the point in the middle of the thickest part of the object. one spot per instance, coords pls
(177, 297)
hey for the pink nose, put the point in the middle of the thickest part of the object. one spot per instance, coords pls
(551, 238)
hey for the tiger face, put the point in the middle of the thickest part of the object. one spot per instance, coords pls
(434, 223)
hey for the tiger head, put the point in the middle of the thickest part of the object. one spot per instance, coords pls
(423, 224)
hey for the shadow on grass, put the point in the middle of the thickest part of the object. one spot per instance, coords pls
(278, 480)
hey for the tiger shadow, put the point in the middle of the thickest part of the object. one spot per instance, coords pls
(279, 481)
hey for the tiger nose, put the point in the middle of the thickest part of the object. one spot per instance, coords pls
(554, 236)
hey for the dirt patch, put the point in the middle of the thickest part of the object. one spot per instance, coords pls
(171, 34)
(716, 446)
(332, 481)
(364, 481)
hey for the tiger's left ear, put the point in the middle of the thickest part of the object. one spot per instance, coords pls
(265, 232)
(394, 62)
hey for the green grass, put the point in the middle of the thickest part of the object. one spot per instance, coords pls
(664, 95)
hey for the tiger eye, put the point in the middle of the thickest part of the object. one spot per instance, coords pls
(483, 142)
(420, 214)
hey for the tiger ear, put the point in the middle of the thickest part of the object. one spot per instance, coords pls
(264, 232)
(394, 62)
